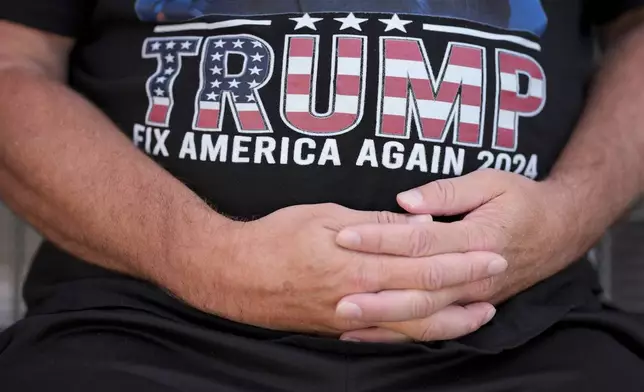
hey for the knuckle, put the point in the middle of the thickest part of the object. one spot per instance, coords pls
(386, 217)
(473, 271)
(473, 238)
(329, 208)
(420, 242)
(484, 288)
(479, 238)
(431, 278)
(423, 306)
(445, 191)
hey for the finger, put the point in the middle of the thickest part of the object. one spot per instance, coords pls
(377, 335)
(432, 273)
(455, 195)
(396, 305)
(375, 217)
(351, 217)
(416, 240)
(450, 323)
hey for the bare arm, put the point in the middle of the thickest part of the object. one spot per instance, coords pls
(68, 170)
(603, 165)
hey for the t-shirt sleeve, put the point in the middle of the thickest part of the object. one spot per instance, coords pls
(64, 17)
(606, 11)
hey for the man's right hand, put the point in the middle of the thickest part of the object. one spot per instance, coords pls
(285, 272)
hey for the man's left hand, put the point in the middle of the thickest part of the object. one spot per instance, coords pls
(531, 224)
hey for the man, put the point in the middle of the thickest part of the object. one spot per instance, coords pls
(218, 222)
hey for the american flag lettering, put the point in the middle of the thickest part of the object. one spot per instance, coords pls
(168, 52)
(299, 93)
(454, 98)
(512, 104)
(221, 87)
(440, 99)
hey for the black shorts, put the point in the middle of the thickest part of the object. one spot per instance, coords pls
(107, 335)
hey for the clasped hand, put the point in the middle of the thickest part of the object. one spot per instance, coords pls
(506, 214)
(380, 276)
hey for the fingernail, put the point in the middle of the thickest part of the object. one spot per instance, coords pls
(490, 315)
(497, 266)
(348, 238)
(349, 339)
(348, 310)
(411, 198)
(420, 219)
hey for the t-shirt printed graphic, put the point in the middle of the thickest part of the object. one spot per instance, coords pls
(418, 95)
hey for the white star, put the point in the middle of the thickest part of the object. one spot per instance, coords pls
(257, 57)
(257, 44)
(212, 96)
(395, 23)
(234, 97)
(159, 92)
(351, 22)
(170, 45)
(250, 98)
(216, 70)
(186, 45)
(305, 21)
(255, 70)
(156, 46)
(161, 79)
(234, 83)
(217, 56)
(238, 44)
(168, 71)
(253, 84)
(219, 44)
(169, 58)
(215, 84)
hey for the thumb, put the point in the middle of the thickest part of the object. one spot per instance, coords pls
(453, 196)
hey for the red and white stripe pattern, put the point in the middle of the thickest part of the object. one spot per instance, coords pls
(168, 52)
(248, 116)
(512, 104)
(159, 111)
(457, 95)
(219, 86)
(346, 105)
(208, 115)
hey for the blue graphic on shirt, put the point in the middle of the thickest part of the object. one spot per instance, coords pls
(528, 15)
(170, 10)
(518, 15)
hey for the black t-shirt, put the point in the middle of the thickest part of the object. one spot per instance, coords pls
(258, 105)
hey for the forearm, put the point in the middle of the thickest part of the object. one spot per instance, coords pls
(67, 169)
(602, 169)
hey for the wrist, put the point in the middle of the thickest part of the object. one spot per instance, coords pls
(197, 247)
(573, 221)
